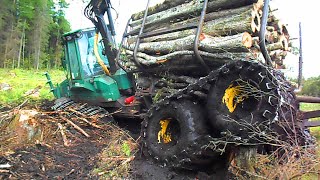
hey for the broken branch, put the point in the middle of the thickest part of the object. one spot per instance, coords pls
(75, 126)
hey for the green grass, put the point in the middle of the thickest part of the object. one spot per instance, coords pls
(22, 81)
(311, 107)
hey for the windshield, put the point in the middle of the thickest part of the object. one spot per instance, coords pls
(89, 62)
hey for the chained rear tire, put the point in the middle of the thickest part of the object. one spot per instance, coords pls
(265, 104)
(251, 108)
(188, 133)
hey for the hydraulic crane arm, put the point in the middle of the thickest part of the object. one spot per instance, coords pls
(95, 11)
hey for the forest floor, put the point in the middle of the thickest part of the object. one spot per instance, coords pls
(32, 146)
(37, 143)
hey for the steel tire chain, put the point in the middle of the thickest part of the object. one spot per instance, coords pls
(200, 147)
(81, 108)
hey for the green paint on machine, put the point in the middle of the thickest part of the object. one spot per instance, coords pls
(122, 79)
(86, 81)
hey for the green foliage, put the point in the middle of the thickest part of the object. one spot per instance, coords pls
(312, 107)
(311, 87)
(22, 81)
(126, 149)
(30, 32)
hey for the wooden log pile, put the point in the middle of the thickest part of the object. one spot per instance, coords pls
(230, 32)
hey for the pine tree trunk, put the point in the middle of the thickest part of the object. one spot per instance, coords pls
(236, 43)
(192, 9)
(178, 55)
(23, 49)
(208, 17)
(159, 7)
(229, 25)
(21, 45)
(7, 45)
(39, 51)
(20, 50)
(13, 62)
(5, 56)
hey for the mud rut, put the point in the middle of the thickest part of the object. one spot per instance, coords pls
(50, 159)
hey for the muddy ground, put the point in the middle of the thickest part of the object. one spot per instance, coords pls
(47, 156)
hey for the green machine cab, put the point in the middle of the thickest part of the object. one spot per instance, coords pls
(86, 79)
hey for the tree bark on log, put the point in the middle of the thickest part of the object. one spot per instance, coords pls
(230, 25)
(281, 44)
(275, 46)
(186, 79)
(150, 60)
(224, 35)
(272, 37)
(236, 43)
(159, 7)
(208, 17)
(192, 9)
(278, 56)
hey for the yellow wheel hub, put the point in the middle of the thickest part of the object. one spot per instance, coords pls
(233, 96)
(163, 134)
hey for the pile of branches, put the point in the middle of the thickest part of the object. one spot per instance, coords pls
(119, 148)
(230, 32)
(69, 123)
(66, 133)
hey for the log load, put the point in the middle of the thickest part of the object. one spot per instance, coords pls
(229, 32)
(225, 19)
(236, 43)
(193, 8)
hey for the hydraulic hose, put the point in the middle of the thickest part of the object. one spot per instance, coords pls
(96, 53)
(262, 33)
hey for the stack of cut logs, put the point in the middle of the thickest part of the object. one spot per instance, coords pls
(230, 32)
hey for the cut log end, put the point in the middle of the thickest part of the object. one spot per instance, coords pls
(202, 36)
(259, 5)
(247, 40)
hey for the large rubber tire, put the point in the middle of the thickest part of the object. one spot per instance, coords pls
(254, 113)
(250, 110)
(189, 135)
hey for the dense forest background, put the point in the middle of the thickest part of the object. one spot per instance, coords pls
(30, 33)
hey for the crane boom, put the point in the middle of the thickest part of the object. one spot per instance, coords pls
(95, 12)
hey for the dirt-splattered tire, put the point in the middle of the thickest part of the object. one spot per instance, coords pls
(262, 105)
(188, 134)
(251, 109)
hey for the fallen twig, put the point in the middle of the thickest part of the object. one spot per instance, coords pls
(64, 137)
(4, 171)
(22, 104)
(128, 160)
(85, 120)
(72, 170)
(248, 173)
(5, 166)
(75, 126)
(117, 158)
(115, 112)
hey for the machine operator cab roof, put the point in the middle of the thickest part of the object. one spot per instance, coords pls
(79, 54)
